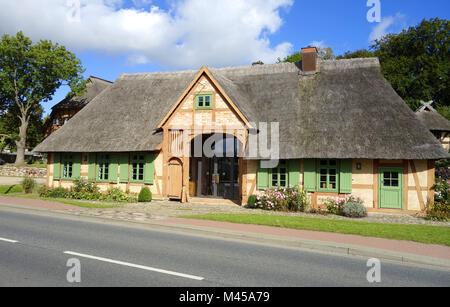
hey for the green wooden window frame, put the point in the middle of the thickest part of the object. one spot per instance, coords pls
(103, 167)
(328, 175)
(204, 101)
(67, 166)
(279, 175)
(137, 164)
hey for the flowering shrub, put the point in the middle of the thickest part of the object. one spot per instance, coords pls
(92, 193)
(283, 199)
(440, 210)
(336, 205)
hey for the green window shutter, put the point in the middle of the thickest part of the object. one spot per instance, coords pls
(56, 166)
(76, 168)
(309, 174)
(262, 177)
(113, 167)
(91, 170)
(124, 167)
(294, 172)
(345, 175)
(149, 168)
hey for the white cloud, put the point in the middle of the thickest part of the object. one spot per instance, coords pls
(381, 29)
(318, 44)
(190, 34)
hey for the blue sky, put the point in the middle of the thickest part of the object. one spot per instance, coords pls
(125, 36)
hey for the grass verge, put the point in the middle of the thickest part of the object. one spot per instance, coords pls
(417, 233)
(17, 191)
(11, 188)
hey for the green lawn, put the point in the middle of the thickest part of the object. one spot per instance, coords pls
(12, 188)
(418, 233)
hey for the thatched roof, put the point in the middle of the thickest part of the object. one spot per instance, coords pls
(94, 87)
(432, 119)
(346, 110)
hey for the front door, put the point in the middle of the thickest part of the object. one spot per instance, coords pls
(390, 188)
(226, 177)
(175, 179)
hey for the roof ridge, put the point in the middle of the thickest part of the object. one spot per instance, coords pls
(94, 77)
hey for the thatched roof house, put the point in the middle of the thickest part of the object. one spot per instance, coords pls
(435, 122)
(342, 115)
(69, 106)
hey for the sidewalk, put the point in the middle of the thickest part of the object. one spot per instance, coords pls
(387, 249)
(5, 180)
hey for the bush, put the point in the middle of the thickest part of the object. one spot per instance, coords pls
(251, 202)
(290, 199)
(354, 209)
(145, 195)
(82, 185)
(440, 210)
(336, 205)
(55, 193)
(28, 185)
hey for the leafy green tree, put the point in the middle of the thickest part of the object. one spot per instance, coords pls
(258, 63)
(30, 74)
(9, 122)
(417, 63)
(362, 53)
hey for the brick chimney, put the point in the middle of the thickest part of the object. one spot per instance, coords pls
(309, 59)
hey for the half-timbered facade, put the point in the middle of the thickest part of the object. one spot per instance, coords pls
(187, 135)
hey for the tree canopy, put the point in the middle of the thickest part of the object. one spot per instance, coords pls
(417, 62)
(30, 74)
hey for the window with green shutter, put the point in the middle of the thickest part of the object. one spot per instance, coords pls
(103, 161)
(203, 101)
(70, 165)
(328, 175)
(67, 166)
(137, 162)
(262, 180)
(278, 175)
(56, 166)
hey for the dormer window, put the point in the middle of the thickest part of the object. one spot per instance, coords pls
(203, 101)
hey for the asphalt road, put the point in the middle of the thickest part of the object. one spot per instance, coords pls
(126, 256)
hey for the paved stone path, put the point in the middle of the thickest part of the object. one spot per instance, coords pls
(4, 180)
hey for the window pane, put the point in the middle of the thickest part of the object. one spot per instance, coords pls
(394, 175)
(387, 182)
(323, 162)
(333, 162)
(134, 171)
(207, 101)
(141, 171)
(275, 177)
(394, 182)
(70, 170)
(323, 178)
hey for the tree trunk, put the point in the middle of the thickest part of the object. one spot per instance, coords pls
(20, 144)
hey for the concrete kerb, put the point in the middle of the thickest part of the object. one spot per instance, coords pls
(248, 237)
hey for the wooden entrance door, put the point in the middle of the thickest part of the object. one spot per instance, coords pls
(391, 188)
(175, 179)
